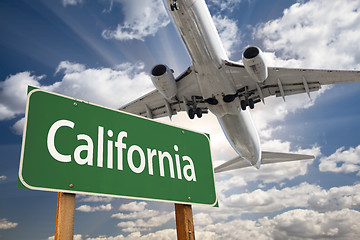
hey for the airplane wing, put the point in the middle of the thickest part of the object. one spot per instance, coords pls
(154, 105)
(266, 158)
(282, 82)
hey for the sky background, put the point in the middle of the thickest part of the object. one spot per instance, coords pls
(103, 50)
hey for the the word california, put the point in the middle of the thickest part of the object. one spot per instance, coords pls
(134, 155)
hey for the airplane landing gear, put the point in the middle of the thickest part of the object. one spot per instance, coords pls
(192, 112)
(244, 104)
(174, 6)
(192, 109)
(199, 112)
(251, 104)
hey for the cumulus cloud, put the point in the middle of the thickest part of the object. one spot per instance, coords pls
(166, 234)
(18, 127)
(202, 219)
(87, 208)
(294, 224)
(13, 93)
(5, 224)
(142, 19)
(133, 206)
(302, 196)
(263, 202)
(228, 31)
(145, 225)
(75, 237)
(69, 67)
(319, 34)
(309, 224)
(2, 178)
(104, 86)
(140, 218)
(342, 161)
(146, 213)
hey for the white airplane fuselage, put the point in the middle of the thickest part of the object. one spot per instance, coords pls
(197, 29)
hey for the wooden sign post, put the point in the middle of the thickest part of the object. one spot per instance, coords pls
(184, 222)
(65, 211)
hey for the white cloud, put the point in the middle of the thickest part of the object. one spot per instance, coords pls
(75, 237)
(5, 224)
(71, 2)
(166, 234)
(320, 34)
(133, 206)
(155, 221)
(228, 31)
(143, 219)
(302, 196)
(18, 127)
(295, 224)
(202, 219)
(87, 208)
(104, 86)
(142, 19)
(69, 67)
(13, 93)
(2, 178)
(335, 198)
(342, 161)
(222, 5)
(146, 213)
(305, 196)
(308, 224)
(313, 213)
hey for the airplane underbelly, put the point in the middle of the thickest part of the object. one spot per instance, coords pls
(223, 108)
(242, 135)
(215, 85)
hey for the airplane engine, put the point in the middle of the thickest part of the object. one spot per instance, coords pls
(164, 81)
(254, 64)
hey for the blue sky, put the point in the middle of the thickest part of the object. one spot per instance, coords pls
(102, 51)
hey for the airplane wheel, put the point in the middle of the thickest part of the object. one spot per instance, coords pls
(243, 105)
(251, 104)
(191, 113)
(174, 7)
(199, 112)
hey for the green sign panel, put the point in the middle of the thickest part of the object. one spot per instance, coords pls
(74, 146)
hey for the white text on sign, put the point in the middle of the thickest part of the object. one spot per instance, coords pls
(188, 170)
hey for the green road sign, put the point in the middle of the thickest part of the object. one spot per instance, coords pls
(74, 146)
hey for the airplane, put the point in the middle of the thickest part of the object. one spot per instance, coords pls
(226, 88)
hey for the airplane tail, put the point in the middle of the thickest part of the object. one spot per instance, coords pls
(266, 158)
